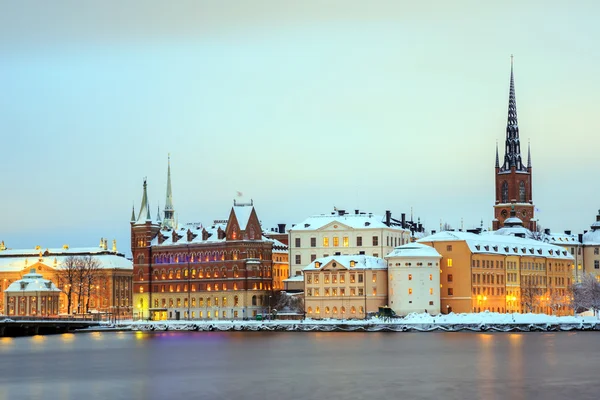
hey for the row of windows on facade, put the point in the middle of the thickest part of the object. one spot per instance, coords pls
(210, 314)
(210, 302)
(313, 257)
(200, 273)
(334, 292)
(334, 277)
(205, 287)
(334, 310)
(410, 264)
(182, 258)
(335, 241)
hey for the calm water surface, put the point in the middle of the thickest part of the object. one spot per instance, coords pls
(265, 365)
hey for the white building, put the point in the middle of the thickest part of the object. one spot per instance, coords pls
(31, 296)
(414, 279)
(341, 233)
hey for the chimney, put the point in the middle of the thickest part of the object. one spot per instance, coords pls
(341, 212)
(547, 231)
(355, 212)
(567, 232)
(580, 237)
(403, 219)
(388, 217)
(433, 232)
(281, 228)
(420, 227)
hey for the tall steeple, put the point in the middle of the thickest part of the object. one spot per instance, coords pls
(169, 210)
(497, 158)
(144, 214)
(528, 155)
(512, 151)
(133, 213)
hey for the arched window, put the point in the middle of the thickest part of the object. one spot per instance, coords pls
(309, 310)
(343, 310)
(353, 310)
(140, 259)
(236, 301)
(254, 300)
(504, 192)
(335, 310)
(522, 192)
(326, 310)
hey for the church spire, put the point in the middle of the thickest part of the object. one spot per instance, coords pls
(133, 213)
(528, 155)
(512, 155)
(497, 158)
(144, 214)
(169, 210)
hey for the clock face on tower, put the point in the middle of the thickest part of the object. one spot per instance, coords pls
(524, 213)
(504, 213)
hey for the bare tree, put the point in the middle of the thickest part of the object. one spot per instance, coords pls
(530, 292)
(66, 279)
(555, 300)
(590, 292)
(92, 275)
(538, 233)
(446, 227)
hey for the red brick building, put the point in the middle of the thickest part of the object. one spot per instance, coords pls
(221, 271)
(513, 178)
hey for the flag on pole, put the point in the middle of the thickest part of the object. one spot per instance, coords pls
(239, 194)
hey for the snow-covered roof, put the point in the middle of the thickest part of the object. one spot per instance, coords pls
(355, 221)
(592, 238)
(32, 282)
(296, 278)
(360, 262)
(196, 230)
(69, 251)
(513, 221)
(242, 214)
(19, 263)
(278, 247)
(414, 250)
(512, 231)
(501, 244)
(560, 239)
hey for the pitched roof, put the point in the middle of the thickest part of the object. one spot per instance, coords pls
(414, 250)
(360, 262)
(355, 221)
(500, 244)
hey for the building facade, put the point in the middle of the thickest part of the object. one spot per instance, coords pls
(414, 279)
(341, 233)
(107, 290)
(501, 273)
(513, 178)
(222, 271)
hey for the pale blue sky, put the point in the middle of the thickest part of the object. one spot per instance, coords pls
(300, 106)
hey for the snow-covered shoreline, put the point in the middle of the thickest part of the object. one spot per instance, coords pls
(479, 322)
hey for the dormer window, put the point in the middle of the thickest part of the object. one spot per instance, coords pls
(367, 223)
(539, 251)
(487, 248)
(515, 250)
(478, 247)
(352, 264)
(551, 251)
(317, 264)
(495, 248)
(506, 249)
(531, 250)
(523, 250)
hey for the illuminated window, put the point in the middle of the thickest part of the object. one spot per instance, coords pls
(193, 302)
(361, 292)
(141, 289)
(216, 301)
(334, 292)
(326, 291)
(224, 302)
(374, 277)
(430, 290)
(361, 310)
(342, 292)
(352, 278)
(345, 241)
(317, 310)
(309, 278)
(326, 310)
(334, 310)
(430, 277)
(410, 277)
(352, 264)
(449, 262)
(342, 277)
(178, 302)
(334, 278)
(309, 310)
(208, 302)
(374, 291)
(343, 310)
(316, 279)
(409, 290)
(325, 242)
(353, 310)
(352, 292)
(316, 293)
(208, 314)
(336, 241)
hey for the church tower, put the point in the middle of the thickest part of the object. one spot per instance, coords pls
(513, 178)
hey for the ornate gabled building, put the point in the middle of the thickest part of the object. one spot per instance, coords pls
(513, 178)
(223, 271)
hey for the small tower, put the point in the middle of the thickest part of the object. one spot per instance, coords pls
(513, 178)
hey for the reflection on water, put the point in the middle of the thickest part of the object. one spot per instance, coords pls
(269, 365)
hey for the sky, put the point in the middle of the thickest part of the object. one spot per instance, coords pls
(301, 106)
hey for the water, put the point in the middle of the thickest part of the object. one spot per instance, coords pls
(265, 365)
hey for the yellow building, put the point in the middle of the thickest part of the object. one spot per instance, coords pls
(344, 287)
(281, 266)
(109, 290)
(501, 273)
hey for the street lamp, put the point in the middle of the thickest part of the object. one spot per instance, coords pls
(269, 308)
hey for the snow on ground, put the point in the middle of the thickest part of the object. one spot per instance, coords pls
(485, 321)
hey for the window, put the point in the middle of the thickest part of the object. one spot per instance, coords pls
(336, 241)
(409, 290)
(430, 277)
(308, 278)
(596, 264)
(313, 242)
(505, 192)
(450, 291)
(449, 262)
(358, 241)
(374, 277)
(325, 242)
(297, 242)
(345, 241)
(430, 290)
(410, 277)
(360, 292)
(450, 278)
(522, 192)
(374, 291)
(449, 247)
(298, 259)
(313, 257)
(352, 278)
(596, 250)
(360, 278)
(375, 240)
